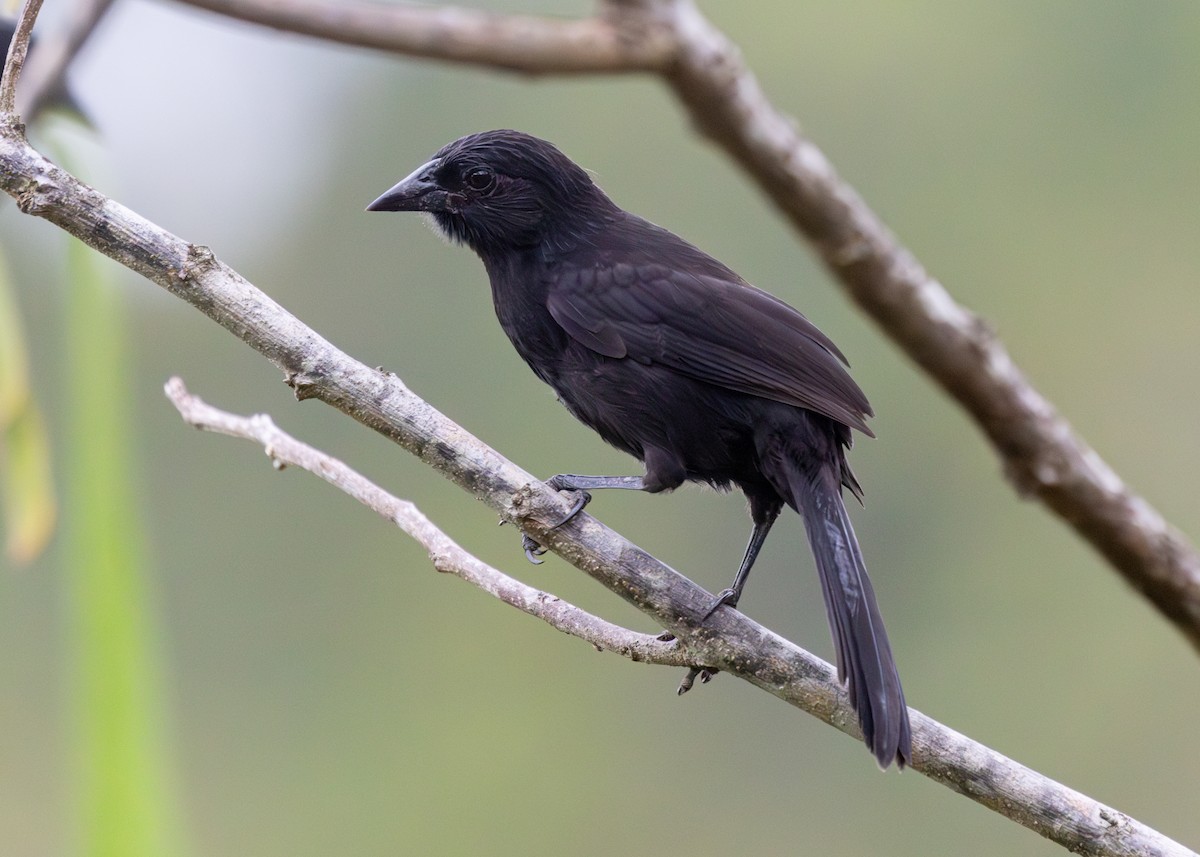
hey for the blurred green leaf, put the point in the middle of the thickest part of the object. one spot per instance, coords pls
(26, 480)
(128, 800)
(14, 362)
(29, 504)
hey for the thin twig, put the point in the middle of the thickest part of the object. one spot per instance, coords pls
(446, 555)
(514, 43)
(1041, 453)
(727, 640)
(18, 49)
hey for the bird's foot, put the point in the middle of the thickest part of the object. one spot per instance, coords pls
(725, 598)
(534, 549)
(559, 484)
(705, 674)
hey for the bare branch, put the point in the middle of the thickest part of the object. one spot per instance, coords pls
(46, 79)
(18, 48)
(506, 42)
(728, 640)
(447, 556)
(1040, 451)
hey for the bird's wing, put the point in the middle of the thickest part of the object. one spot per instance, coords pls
(714, 328)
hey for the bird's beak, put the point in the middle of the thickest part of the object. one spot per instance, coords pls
(418, 192)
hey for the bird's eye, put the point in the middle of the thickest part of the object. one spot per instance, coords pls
(479, 178)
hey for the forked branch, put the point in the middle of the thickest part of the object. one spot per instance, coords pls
(728, 640)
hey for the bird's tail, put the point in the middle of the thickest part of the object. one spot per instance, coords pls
(864, 655)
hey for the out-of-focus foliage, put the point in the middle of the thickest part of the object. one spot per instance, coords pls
(26, 486)
(125, 802)
(332, 694)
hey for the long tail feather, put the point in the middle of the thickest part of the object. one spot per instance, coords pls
(864, 655)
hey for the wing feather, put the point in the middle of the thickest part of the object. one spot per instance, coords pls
(711, 326)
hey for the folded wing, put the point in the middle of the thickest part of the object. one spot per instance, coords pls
(712, 326)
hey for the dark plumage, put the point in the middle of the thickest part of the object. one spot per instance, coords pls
(675, 359)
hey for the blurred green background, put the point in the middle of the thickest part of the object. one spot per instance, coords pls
(326, 692)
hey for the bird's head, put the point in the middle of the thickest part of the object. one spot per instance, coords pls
(500, 190)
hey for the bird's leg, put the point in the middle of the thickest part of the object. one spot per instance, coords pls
(733, 594)
(582, 484)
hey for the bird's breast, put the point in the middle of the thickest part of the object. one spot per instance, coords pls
(519, 298)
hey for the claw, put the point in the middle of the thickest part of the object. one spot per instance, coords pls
(688, 681)
(705, 674)
(726, 598)
(582, 500)
(532, 550)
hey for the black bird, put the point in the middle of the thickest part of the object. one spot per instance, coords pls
(675, 359)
